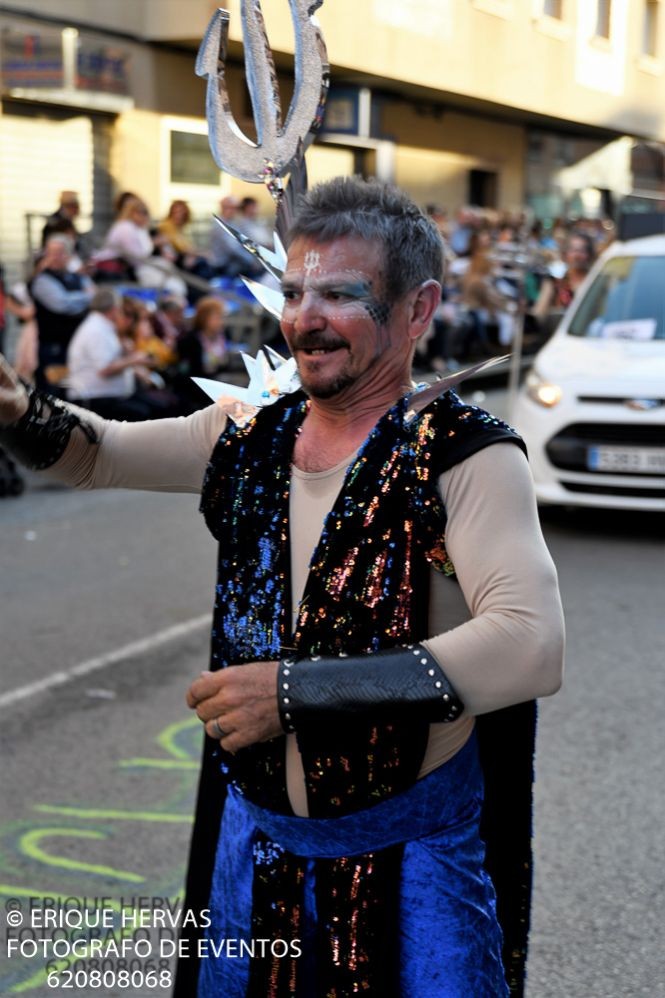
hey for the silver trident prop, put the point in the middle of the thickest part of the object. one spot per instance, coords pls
(278, 143)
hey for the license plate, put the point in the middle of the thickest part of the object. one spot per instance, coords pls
(629, 460)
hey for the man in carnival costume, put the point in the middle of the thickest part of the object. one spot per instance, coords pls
(339, 828)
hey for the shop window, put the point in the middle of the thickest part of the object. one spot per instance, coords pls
(535, 147)
(564, 151)
(191, 159)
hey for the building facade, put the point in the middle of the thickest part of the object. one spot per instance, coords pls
(558, 105)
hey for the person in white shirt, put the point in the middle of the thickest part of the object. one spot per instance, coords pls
(102, 371)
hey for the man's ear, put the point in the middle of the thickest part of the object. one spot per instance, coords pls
(426, 300)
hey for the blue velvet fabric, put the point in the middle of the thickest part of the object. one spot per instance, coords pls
(449, 938)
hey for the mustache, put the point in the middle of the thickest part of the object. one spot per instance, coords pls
(312, 341)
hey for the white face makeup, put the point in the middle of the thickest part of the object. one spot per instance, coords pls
(337, 294)
(312, 262)
(335, 319)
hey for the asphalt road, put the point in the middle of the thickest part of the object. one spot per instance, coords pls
(99, 769)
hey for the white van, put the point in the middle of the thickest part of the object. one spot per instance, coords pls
(592, 410)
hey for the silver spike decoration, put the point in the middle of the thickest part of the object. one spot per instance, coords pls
(424, 396)
(271, 156)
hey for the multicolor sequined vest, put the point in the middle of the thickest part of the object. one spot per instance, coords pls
(367, 589)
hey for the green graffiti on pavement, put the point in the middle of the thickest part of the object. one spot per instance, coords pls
(167, 737)
(81, 877)
(113, 815)
(30, 845)
(140, 762)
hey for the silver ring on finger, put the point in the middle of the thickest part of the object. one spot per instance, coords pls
(220, 732)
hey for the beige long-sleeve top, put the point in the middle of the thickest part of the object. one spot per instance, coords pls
(498, 636)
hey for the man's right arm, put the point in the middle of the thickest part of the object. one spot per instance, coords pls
(164, 455)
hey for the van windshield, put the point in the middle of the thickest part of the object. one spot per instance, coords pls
(626, 301)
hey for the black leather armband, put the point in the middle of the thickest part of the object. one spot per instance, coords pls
(405, 681)
(40, 437)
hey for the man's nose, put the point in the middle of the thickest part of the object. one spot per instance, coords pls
(309, 313)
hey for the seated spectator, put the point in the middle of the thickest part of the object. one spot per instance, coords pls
(483, 304)
(113, 268)
(227, 257)
(439, 216)
(556, 293)
(144, 336)
(173, 229)
(120, 202)
(129, 242)
(541, 238)
(63, 227)
(439, 342)
(67, 212)
(62, 299)
(248, 222)
(169, 319)
(466, 223)
(104, 374)
(204, 351)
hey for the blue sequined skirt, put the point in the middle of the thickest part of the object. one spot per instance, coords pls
(449, 938)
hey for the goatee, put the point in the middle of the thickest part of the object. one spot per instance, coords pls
(329, 389)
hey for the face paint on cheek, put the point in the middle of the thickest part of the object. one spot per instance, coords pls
(335, 300)
(378, 311)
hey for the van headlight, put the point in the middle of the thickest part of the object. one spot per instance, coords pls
(542, 391)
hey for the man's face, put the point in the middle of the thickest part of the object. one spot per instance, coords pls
(70, 208)
(336, 320)
(229, 206)
(57, 256)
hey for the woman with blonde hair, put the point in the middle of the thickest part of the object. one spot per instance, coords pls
(173, 231)
(129, 241)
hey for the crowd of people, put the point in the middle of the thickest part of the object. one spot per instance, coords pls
(129, 354)
(500, 270)
(166, 255)
(133, 358)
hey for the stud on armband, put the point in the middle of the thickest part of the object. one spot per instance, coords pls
(40, 437)
(405, 681)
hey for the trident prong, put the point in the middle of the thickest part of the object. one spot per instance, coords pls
(277, 143)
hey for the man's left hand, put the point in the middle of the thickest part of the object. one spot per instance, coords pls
(240, 701)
